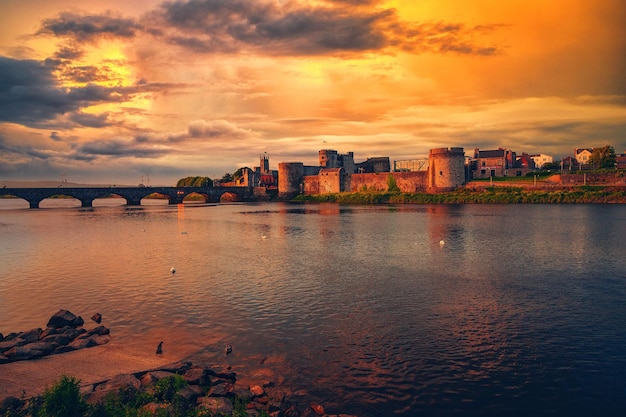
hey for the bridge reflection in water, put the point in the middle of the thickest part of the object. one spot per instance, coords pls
(133, 195)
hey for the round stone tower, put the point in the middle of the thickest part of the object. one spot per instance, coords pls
(289, 179)
(446, 169)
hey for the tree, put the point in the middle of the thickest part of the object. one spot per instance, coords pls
(603, 157)
(239, 173)
(551, 166)
(195, 182)
(227, 178)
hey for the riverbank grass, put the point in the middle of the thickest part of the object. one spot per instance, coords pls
(486, 195)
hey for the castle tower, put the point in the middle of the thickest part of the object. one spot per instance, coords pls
(289, 179)
(264, 164)
(446, 169)
(328, 158)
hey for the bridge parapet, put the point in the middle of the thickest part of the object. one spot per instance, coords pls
(132, 195)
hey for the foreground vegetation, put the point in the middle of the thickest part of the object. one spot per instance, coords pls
(164, 399)
(487, 195)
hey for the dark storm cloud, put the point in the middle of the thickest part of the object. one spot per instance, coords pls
(90, 120)
(29, 93)
(229, 26)
(233, 25)
(69, 52)
(117, 148)
(19, 151)
(84, 74)
(88, 27)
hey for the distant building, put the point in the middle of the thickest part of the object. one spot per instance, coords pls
(583, 155)
(525, 162)
(541, 159)
(492, 163)
(260, 176)
(620, 161)
(569, 164)
(373, 165)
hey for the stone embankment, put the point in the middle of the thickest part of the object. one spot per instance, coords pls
(63, 333)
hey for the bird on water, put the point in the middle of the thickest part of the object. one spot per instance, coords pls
(159, 350)
(229, 349)
(173, 270)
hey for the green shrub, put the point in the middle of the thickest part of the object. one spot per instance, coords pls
(392, 186)
(63, 399)
(166, 388)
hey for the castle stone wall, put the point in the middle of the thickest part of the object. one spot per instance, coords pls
(311, 185)
(407, 182)
(446, 172)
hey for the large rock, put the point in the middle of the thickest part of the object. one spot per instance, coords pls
(31, 335)
(45, 347)
(123, 381)
(197, 376)
(216, 405)
(64, 318)
(11, 343)
(191, 392)
(64, 333)
(59, 339)
(72, 332)
(221, 389)
(100, 330)
(10, 403)
(97, 318)
(23, 353)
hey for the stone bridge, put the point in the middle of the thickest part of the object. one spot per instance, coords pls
(133, 195)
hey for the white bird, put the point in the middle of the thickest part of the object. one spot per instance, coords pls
(442, 242)
(173, 270)
(263, 237)
(229, 349)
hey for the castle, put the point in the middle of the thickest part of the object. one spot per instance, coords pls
(338, 172)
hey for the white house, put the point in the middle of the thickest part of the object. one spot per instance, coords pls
(582, 155)
(541, 159)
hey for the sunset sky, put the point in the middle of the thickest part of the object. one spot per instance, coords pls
(108, 91)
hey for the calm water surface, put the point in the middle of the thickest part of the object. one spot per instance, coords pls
(485, 310)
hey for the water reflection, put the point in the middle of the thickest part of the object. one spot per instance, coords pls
(359, 307)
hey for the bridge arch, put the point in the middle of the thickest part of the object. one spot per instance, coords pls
(229, 197)
(155, 199)
(16, 201)
(60, 200)
(195, 197)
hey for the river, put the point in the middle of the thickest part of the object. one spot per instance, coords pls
(438, 310)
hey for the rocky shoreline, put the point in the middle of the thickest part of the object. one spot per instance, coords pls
(182, 388)
(177, 389)
(63, 333)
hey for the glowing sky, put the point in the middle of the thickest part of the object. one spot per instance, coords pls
(106, 91)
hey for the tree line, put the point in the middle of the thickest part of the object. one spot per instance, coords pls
(208, 182)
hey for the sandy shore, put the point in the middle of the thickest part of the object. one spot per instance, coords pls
(90, 365)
